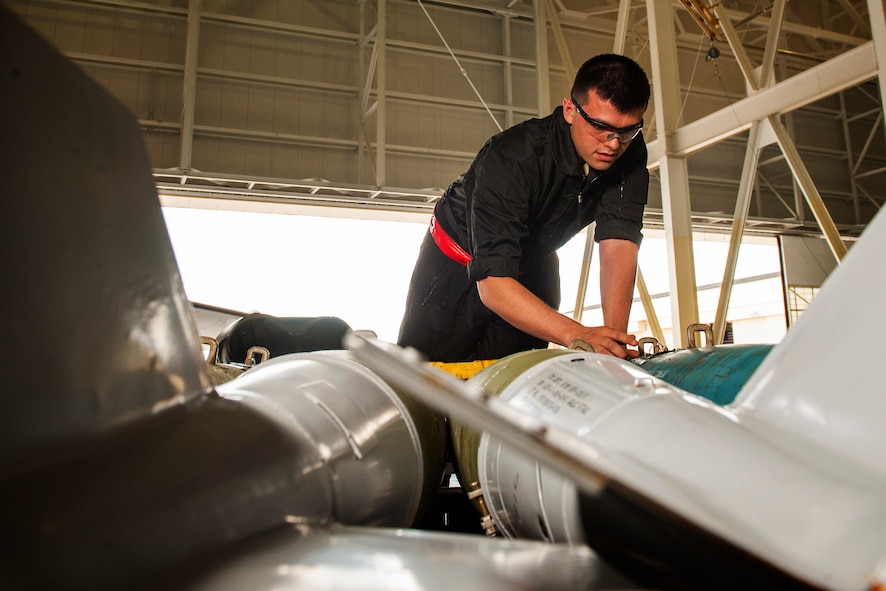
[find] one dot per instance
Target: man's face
(590, 140)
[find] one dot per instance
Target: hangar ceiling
(379, 104)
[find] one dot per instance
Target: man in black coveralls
(486, 283)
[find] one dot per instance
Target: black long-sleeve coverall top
(524, 196)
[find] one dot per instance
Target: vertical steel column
(508, 70)
(361, 67)
(541, 58)
(364, 109)
(621, 30)
(189, 85)
(621, 26)
(381, 74)
(674, 173)
(560, 38)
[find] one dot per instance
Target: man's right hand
(609, 341)
(521, 308)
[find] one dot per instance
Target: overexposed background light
(287, 265)
(359, 270)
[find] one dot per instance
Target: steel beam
(840, 73)
(621, 26)
(673, 170)
(560, 38)
(796, 28)
(621, 29)
(189, 85)
(381, 77)
(541, 57)
(507, 71)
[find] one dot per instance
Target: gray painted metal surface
(378, 559)
(378, 462)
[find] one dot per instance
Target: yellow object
(463, 369)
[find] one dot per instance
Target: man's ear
(568, 110)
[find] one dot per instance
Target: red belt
(447, 245)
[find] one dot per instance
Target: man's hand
(518, 306)
(609, 341)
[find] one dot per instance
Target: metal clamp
(212, 357)
(656, 346)
(693, 329)
(219, 373)
(255, 351)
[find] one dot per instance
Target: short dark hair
(616, 79)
